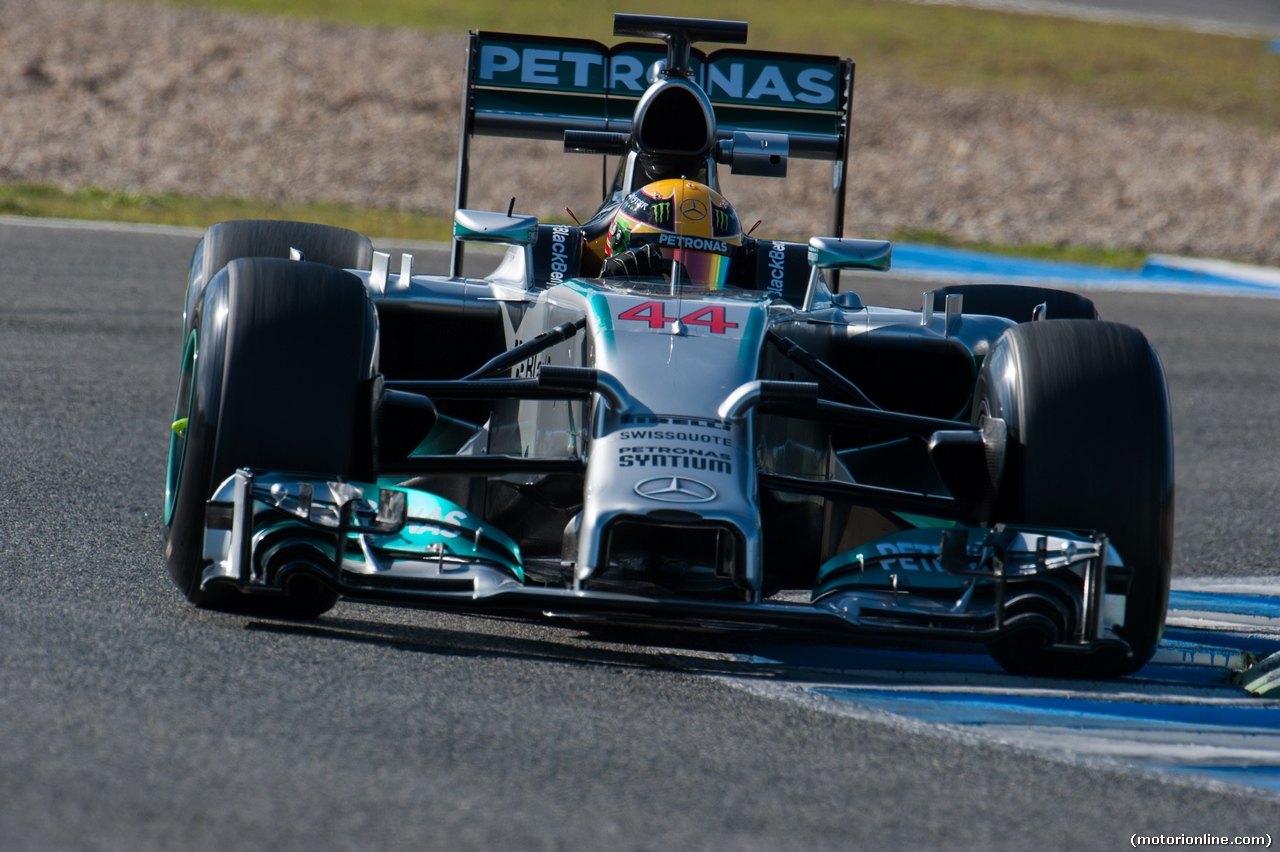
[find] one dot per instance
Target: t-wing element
(679, 34)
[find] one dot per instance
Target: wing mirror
(479, 226)
(840, 253)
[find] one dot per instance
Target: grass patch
(1231, 78)
(42, 200)
(1093, 255)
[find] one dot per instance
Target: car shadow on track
(696, 652)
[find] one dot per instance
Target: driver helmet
(687, 222)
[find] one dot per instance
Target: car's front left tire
(279, 374)
(227, 241)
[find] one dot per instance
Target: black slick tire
(1090, 447)
(1017, 302)
(279, 373)
(228, 241)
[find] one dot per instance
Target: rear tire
(1090, 447)
(1017, 302)
(280, 374)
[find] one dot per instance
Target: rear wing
(537, 87)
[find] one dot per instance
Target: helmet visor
(702, 269)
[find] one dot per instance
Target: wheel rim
(180, 428)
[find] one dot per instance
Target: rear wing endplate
(537, 87)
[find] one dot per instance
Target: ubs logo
(675, 489)
(693, 209)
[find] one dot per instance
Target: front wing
(390, 544)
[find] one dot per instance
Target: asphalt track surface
(131, 721)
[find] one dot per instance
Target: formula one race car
(654, 418)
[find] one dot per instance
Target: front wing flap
(399, 545)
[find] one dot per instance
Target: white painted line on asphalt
(1229, 585)
(1183, 714)
(94, 225)
(1224, 269)
(935, 264)
(1162, 274)
(181, 231)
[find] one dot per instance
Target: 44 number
(654, 313)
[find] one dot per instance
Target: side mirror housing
(479, 226)
(839, 253)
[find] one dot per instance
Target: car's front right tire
(1090, 447)
(1017, 302)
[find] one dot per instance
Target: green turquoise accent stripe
(422, 536)
(465, 537)
(926, 522)
(915, 562)
(178, 435)
(752, 335)
(598, 306)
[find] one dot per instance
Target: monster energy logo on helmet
(675, 213)
(723, 221)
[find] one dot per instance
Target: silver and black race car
(654, 418)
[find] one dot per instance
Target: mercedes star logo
(693, 209)
(675, 489)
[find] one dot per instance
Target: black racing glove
(643, 262)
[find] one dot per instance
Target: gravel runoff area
(152, 98)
